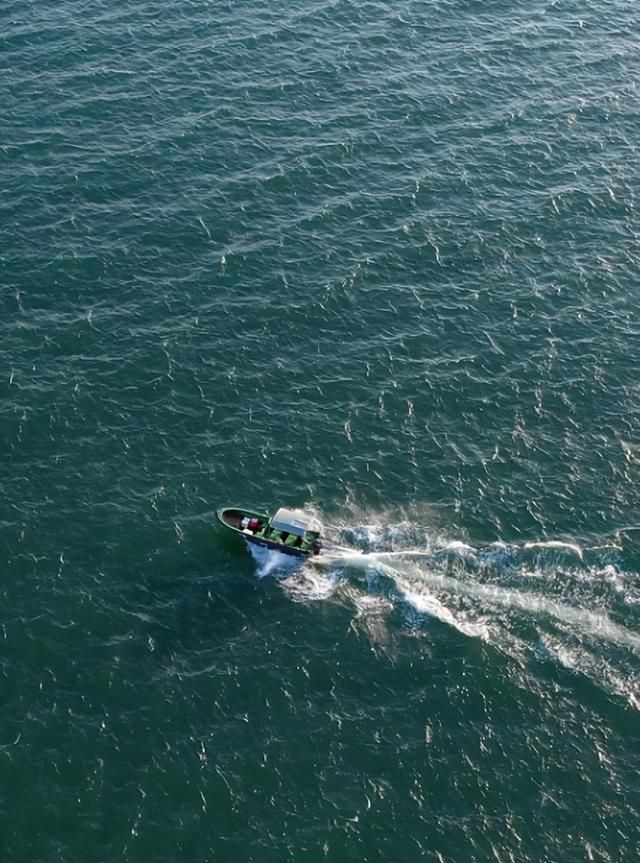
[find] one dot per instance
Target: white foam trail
(331, 553)
(438, 577)
(593, 624)
(408, 552)
(580, 661)
(428, 604)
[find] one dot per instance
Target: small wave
(556, 544)
(270, 561)
(372, 617)
(299, 581)
(368, 605)
(307, 585)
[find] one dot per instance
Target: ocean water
(376, 259)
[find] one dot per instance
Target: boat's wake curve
(547, 601)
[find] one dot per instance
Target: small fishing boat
(291, 531)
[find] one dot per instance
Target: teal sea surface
(376, 259)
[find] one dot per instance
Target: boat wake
(549, 601)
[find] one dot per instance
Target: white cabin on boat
(296, 522)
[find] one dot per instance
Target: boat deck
(233, 517)
(289, 537)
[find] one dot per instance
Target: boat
(290, 531)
